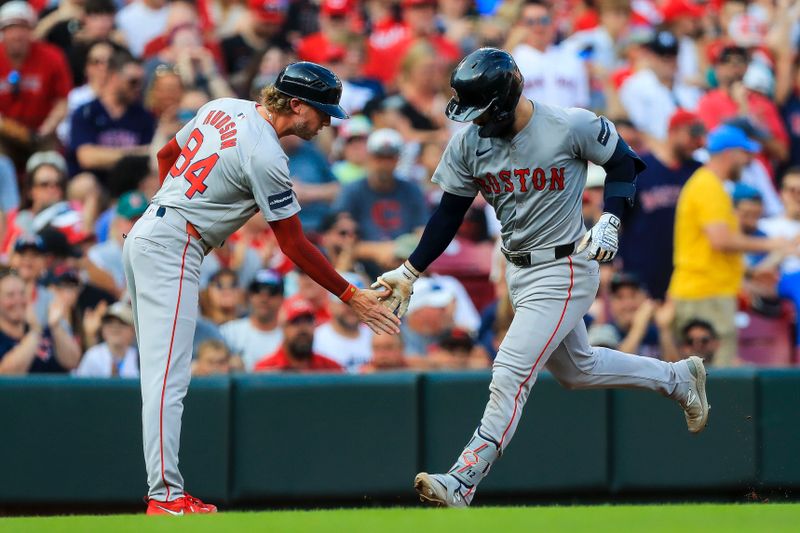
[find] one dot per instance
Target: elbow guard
(621, 170)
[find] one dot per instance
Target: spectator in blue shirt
(647, 242)
(314, 184)
(115, 124)
(383, 206)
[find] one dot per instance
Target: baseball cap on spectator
(604, 336)
(595, 176)
(131, 205)
(385, 142)
(682, 118)
(29, 242)
(728, 137)
(675, 9)
(17, 13)
(294, 308)
(269, 11)
(62, 275)
(120, 311)
(624, 279)
(357, 126)
(269, 279)
(663, 43)
(336, 8)
(744, 192)
(56, 243)
(49, 157)
(429, 293)
(457, 339)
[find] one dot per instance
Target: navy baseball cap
(267, 279)
(29, 242)
(727, 137)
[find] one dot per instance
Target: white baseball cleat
(442, 490)
(695, 406)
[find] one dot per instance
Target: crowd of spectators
(706, 91)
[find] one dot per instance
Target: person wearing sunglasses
(553, 74)
(115, 124)
(258, 332)
(699, 338)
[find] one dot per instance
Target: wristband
(348, 293)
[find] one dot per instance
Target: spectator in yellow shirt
(709, 265)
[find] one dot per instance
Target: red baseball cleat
(185, 505)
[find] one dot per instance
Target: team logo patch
(282, 199)
(605, 132)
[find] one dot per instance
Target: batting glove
(401, 282)
(602, 240)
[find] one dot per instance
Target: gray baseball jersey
(230, 166)
(535, 180)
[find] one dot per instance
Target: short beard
(302, 130)
(300, 347)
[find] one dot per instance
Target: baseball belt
(535, 257)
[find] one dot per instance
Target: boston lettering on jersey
(522, 179)
(224, 125)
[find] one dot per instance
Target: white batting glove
(401, 282)
(602, 240)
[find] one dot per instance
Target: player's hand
(602, 240)
(401, 282)
(367, 305)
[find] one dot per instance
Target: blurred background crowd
(91, 89)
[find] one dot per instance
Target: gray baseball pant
(162, 267)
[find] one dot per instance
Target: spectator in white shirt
(553, 74)
(141, 21)
(117, 355)
(258, 333)
(343, 338)
(651, 95)
(787, 226)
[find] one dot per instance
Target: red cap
(296, 307)
(416, 3)
(673, 9)
(681, 117)
(273, 11)
(334, 8)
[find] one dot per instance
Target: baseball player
(529, 161)
(221, 168)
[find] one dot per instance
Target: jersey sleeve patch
(281, 199)
(605, 132)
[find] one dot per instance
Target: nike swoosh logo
(478, 153)
(173, 513)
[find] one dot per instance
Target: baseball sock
(474, 462)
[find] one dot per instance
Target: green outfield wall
(257, 439)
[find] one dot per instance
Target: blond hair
(274, 100)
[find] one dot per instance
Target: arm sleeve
(621, 170)
(440, 230)
(166, 158)
(293, 242)
(452, 174)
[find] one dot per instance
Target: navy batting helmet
(487, 81)
(314, 85)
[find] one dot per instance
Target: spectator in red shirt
(732, 98)
(334, 20)
(34, 76)
(419, 18)
(295, 354)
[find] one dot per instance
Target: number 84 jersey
(230, 166)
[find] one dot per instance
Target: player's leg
(165, 266)
(549, 300)
(577, 365)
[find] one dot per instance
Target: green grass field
(766, 518)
